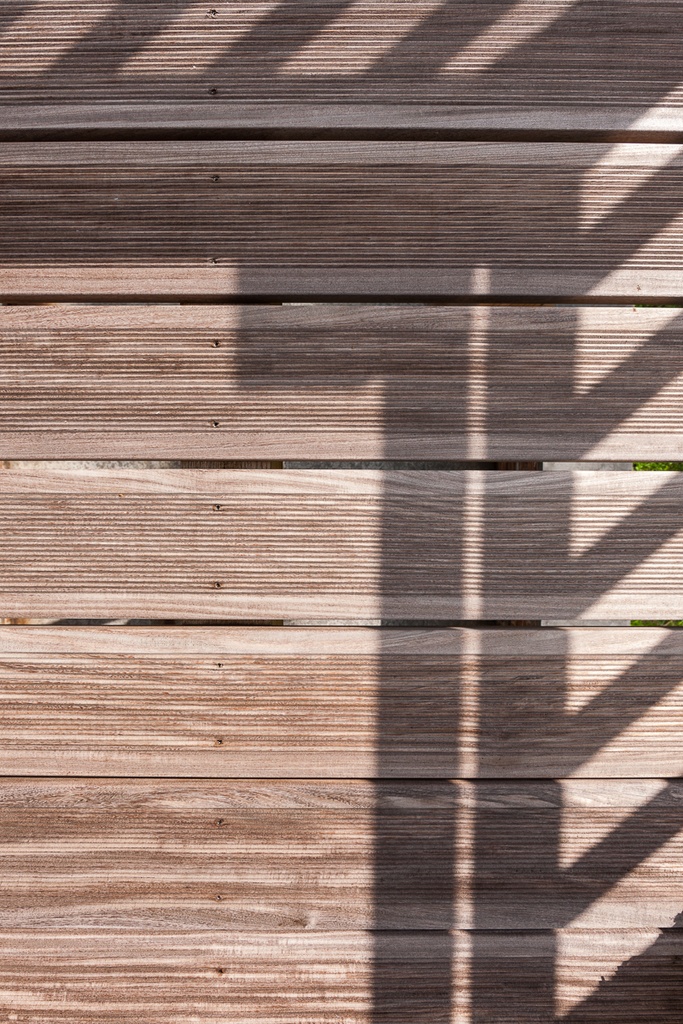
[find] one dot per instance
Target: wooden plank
(331, 544)
(514, 978)
(216, 219)
(607, 65)
(218, 975)
(563, 382)
(340, 703)
(290, 856)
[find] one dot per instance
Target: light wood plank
(340, 703)
(342, 978)
(331, 544)
(386, 382)
(264, 856)
(217, 219)
(605, 65)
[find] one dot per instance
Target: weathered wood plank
(554, 64)
(342, 978)
(340, 703)
(316, 544)
(215, 219)
(197, 855)
(394, 382)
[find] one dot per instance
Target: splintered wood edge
(321, 315)
(303, 115)
(385, 485)
(130, 946)
(188, 154)
(199, 641)
(139, 796)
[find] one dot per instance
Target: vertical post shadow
(413, 895)
(417, 730)
(417, 869)
(499, 848)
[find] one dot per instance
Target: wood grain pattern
(373, 64)
(317, 544)
(215, 219)
(268, 856)
(493, 382)
(340, 703)
(259, 878)
(604, 976)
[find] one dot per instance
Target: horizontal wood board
(340, 703)
(604, 65)
(119, 381)
(339, 544)
(218, 219)
(606, 976)
(269, 856)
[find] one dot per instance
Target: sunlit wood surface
(470, 65)
(282, 230)
(441, 382)
(341, 703)
(325, 544)
(291, 855)
(327, 977)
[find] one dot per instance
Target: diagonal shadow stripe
(397, 862)
(613, 710)
(278, 36)
(646, 989)
(656, 363)
(619, 853)
(637, 535)
(121, 26)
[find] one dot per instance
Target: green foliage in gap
(655, 622)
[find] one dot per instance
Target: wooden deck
(285, 742)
